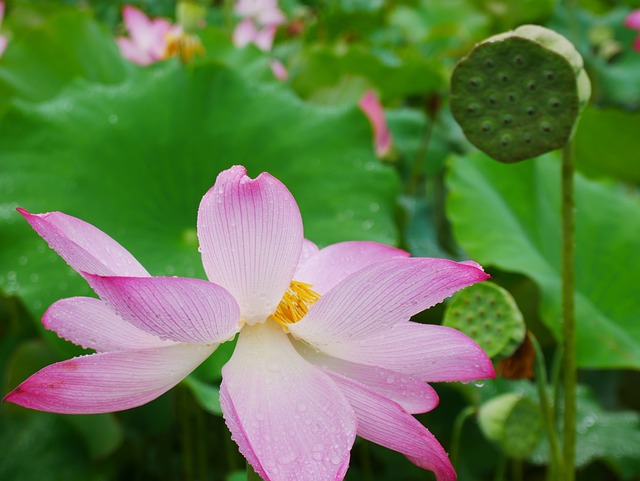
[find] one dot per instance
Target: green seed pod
(488, 314)
(513, 422)
(519, 94)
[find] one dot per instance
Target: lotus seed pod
(513, 422)
(519, 94)
(489, 315)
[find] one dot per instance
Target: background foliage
(132, 150)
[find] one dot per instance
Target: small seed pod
(488, 314)
(513, 422)
(528, 84)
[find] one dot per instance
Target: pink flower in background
(3, 40)
(279, 70)
(148, 39)
(326, 348)
(372, 108)
(633, 21)
(260, 20)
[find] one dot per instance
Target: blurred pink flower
(148, 39)
(260, 20)
(326, 347)
(633, 21)
(279, 70)
(3, 40)
(372, 108)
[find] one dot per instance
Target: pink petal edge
(250, 233)
(91, 323)
(336, 262)
(84, 247)
(286, 415)
(385, 423)
(175, 308)
(108, 381)
(380, 295)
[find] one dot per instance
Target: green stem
(555, 470)
(568, 312)
(457, 433)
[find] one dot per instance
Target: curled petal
(250, 233)
(380, 295)
(91, 323)
(286, 415)
(412, 394)
(336, 262)
(108, 381)
(385, 423)
(84, 247)
(429, 352)
(372, 108)
(180, 309)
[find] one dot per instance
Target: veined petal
(385, 423)
(180, 309)
(413, 395)
(289, 419)
(108, 381)
(250, 233)
(429, 352)
(336, 262)
(83, 246)
(309, 249)
(380, 295)
(91, 323)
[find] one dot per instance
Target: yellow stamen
(184, 44)
(295, 303)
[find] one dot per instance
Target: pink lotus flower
(3, 40)
(260, 20)
(633, 21)
(148, 38)
(372, 108)
(326, 349)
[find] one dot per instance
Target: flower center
(295, 303)
(183, 44)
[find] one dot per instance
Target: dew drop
(367, 224)
(374, 207)
(23, 261)
(113, 119)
